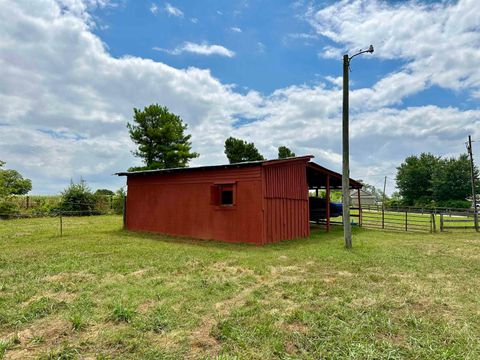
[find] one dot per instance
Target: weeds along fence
(54, 221)
(416, 219)
(45, 204)
(59, 224)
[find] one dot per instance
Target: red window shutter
(215, 195)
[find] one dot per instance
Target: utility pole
(474, 195)
(347, 227)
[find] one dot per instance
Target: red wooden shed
(255, 202)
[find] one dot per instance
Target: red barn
(256, 202)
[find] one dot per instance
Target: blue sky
(274, 46)
(265, 71)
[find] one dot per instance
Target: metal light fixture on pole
(347, 230)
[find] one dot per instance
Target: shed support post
(327, 195)
(316, 192)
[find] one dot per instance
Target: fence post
(433, 226)
(441, 222)
(28, 202)
(406, 220)
(383, 217)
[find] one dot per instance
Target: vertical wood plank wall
(286, 202)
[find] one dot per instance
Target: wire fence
(49, 214)
(60, 224)
(55, 220)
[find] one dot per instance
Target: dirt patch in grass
(69, 276)
(295, 327)
(276, 270)
(201, 339)
(231, 270)
(61, 296)
(146, 306)
(140, 273)
(37, 338)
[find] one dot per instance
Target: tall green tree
(428, 179)
(284, 152)
(414, 178)
(12, 182)
(161, 139)
(238, 150)
(452, 179)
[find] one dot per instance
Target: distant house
(366, 198)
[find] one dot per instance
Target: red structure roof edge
(314, 166)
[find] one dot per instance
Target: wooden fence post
(433, 226)
(441, 222)
(383, 217)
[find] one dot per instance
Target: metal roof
(215, 167)
(319, 170)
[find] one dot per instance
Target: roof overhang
(316, 174)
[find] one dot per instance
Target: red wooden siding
(286, 213)
(181, 204)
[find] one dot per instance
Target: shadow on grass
(317, 233)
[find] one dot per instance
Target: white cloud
(154, 9)
(200, 49)
(64, 103)
(172, 10)
(236, 29)
(438, 42)
(260, 47)
(194, 20)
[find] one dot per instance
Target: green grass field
(102, 293)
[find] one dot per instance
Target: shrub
(455, 204)
(118, 201)
(104, 192)
(8, 208)
(78, 199)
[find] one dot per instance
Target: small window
(223, 195)
(227, 197)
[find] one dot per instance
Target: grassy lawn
(100, 292)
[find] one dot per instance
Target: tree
(414, 178)
(160, 136)
(77, 199)
(452, 180)
(238, 150)
(104, 192)
(284, 152)
(12, 182)
(428, 179)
